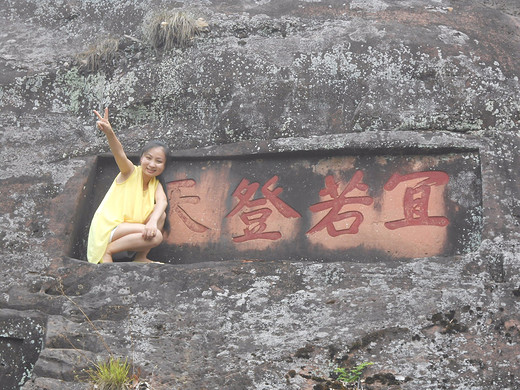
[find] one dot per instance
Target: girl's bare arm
(125, 165)
(160, 206)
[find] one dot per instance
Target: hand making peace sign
(103, 124)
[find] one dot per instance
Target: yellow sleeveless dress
(124, 202)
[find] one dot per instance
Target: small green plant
(114, 374)
(169, 29)
(353, 375)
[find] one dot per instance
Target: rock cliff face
(262, 77)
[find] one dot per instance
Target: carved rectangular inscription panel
(341, 207)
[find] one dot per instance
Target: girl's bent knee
(157, 239)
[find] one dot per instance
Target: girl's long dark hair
(154, 144)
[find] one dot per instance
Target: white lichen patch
(369, 5)
(451, 36)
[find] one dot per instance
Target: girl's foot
(106, 258)
(146, 260)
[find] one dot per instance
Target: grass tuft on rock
(114, 374)
(103, 53)
(170, 29)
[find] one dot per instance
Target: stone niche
(341, 205)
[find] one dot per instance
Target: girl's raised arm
(125, 165)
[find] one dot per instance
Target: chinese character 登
(255, 218)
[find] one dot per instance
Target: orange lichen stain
(334, 164)
(380, 160)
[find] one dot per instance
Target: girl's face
(153, 161)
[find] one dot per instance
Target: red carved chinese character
(176, 199)
(337, 202)
(416, 199)
(244, 192)
(256, 226)
(255, 220)
(272, 196)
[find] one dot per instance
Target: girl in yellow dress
(132, 215)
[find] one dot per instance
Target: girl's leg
(142, 256)
(129, 237)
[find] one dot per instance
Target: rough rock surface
(266, 76)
